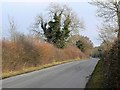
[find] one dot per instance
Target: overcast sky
(24, 14)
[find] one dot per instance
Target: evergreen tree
(57, 30)
(80, 45)
(54, 33)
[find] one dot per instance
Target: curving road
(69, 75)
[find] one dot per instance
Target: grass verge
(97, 78)
(31, 69)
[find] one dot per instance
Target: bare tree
(76, 22)
(109, 11)
(12, 29)
(62, 10)
(107, 33)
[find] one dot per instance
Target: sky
(24, 14)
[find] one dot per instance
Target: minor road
(69, 75)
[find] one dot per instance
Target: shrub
(28, 52)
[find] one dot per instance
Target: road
(69, 75)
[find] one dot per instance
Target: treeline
(49, 42)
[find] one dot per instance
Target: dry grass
(31, 69)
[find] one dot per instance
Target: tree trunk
(118, 47)
(118, 15)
